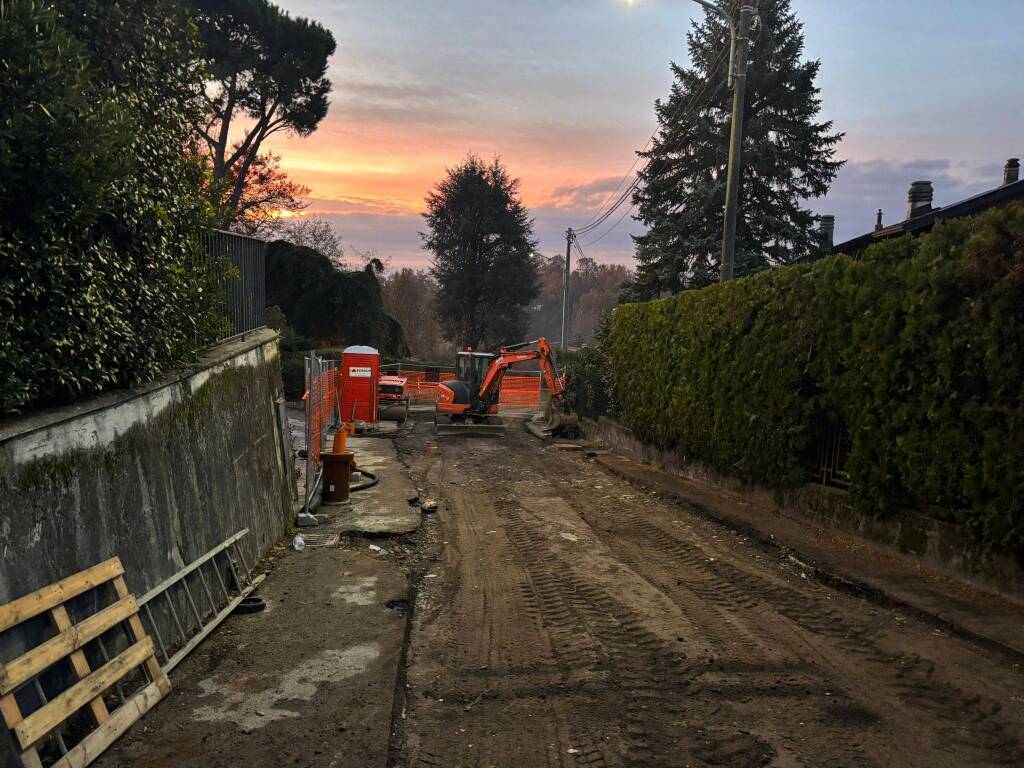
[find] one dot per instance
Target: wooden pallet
(89, 685)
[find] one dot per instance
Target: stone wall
(157, 476)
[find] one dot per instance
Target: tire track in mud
(792, 677)
(653, 680)
(965, 721)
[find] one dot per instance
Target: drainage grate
(315, 540)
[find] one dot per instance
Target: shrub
(101, 275)
(335, 308)
(586, 390)
(918, 348)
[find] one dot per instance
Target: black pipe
(363, 486)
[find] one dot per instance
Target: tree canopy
(481, 238)
(265, 69)
(788, 157)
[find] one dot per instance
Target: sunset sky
(563, 91)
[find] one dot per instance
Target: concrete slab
(383, 509)
(308, 682)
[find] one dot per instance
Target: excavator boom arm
(510, 356)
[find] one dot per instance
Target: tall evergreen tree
(788, 157)
(481, 236)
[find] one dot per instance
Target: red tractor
(469, 403)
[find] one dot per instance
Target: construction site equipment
(468, 405)
(360, 372)
(113, 633)
(393, 397)
(221, 576)
(338, 466)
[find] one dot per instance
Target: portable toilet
(360, 371)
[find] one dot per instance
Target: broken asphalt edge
(823, 573)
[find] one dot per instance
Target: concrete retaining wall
(157, 476)
(943, 547)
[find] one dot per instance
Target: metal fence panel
(244, 295)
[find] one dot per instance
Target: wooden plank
(79, 663)
(30, 758)
(190, 646)
(89, 748)
(42, 600)
(138, 632)
(194, 565)
(71, 639)
(10, 710)
(46, 718)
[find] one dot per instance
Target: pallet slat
(87, 750)
(70, 639)
(45, 719)
(42, 600)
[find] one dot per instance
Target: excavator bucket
(445, 427)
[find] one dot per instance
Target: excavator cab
(471, 367)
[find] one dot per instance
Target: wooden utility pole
(565, 288)
(739, 92)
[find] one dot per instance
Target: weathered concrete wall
(158, 476)
(943, 547)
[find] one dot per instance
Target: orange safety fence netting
(516, 391)
(520, 392)
(319, 412)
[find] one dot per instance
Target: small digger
(468, 405)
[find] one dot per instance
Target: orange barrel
(337, 471)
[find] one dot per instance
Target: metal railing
(240, 264)
(831, 449)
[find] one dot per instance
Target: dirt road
(572, 619)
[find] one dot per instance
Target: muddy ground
(565, 617)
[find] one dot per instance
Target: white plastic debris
(298, 543)
(379, 550)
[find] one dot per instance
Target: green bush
(586, 390)
(918, 349)
(101, 276)
(335, 308)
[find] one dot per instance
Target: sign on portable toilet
(360, 370)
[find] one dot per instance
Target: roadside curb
(822, 572)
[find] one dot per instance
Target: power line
(679, 112)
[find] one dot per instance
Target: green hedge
(918, 349)
(586, 387)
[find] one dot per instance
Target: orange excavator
(468, 405)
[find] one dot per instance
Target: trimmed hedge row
(918, 348)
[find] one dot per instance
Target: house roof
(925, 221)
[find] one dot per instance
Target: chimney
(1011, 171)
(919, 198)
(827, 225)
(878, 220)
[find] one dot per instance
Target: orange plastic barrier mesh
(516, 391)
(520, 392)
(329, 385)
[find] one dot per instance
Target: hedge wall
(918, 348)
(102, 280)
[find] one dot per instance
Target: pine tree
(788, 157)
